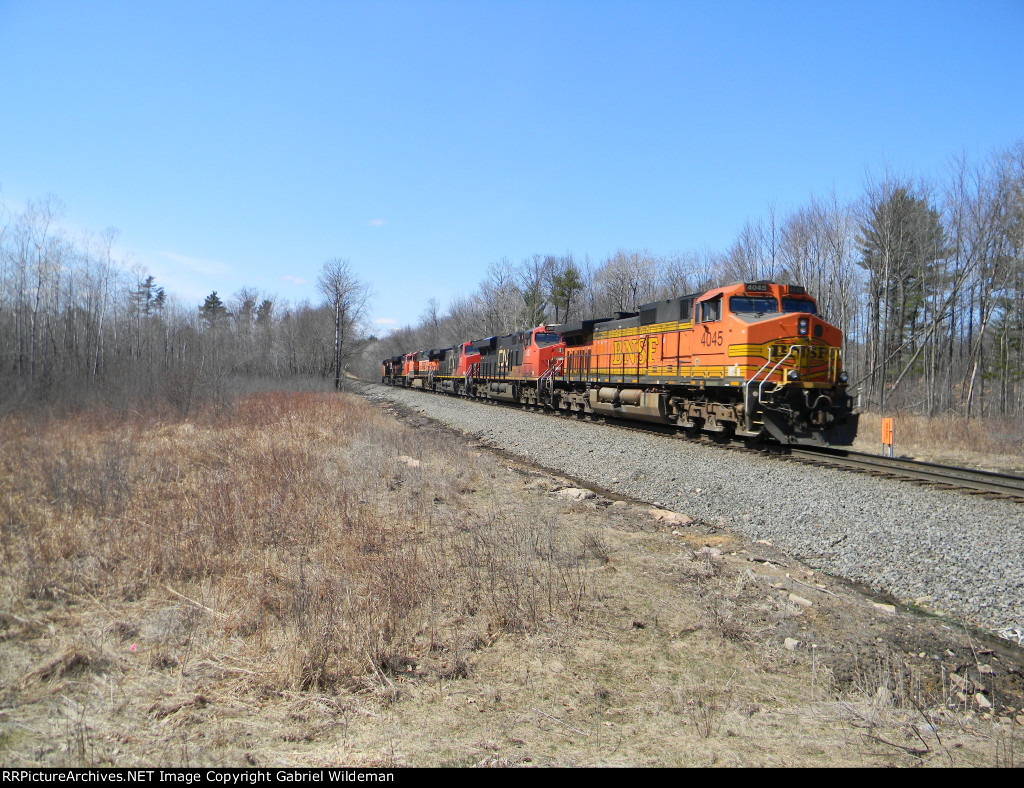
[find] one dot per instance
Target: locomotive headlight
(793, 375)
(843, 377)
(801, 326)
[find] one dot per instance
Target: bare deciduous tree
(348, 298)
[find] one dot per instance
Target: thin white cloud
(293, 280)
(385, 321)
(197, 265)
(183, 275)
(378, 222)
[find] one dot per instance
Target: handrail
(551, 371)
(753, 379)
(548, 376)
(760, 388)
(470, 374)
(748, 414)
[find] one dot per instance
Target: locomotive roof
(577, 328)
(514, 339)
(671, 310)
(628, 320)
(674, 300)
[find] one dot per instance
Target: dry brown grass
(985, 443)
(279, 582)
(292, 522)
(288, 540)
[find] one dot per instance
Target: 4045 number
(712, 339)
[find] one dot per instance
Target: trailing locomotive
(751, 360)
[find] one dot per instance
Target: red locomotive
(751, 360)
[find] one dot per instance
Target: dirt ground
(671, 642)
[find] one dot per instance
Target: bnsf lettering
(808, 353)
(636, 352)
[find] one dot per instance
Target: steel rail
(1001, 484)
(969, 480)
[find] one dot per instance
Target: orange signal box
(888, 432)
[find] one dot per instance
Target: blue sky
(244, 143)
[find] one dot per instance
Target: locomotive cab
(409, 366)
(469, 357)
(790, 358)
(452, 368)
(779, 324)
(390, 369)
(543, 350)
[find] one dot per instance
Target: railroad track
(967, 480)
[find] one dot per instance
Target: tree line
(925, 279)
(79, 326)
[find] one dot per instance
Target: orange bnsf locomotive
(751, 360)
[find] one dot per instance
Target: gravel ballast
(965, 553)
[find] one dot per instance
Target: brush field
(988, 444)
(307, 579)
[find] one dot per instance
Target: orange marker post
(888, 433)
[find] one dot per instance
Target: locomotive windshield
(543, 339)
(798, 305)
(760, 304)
